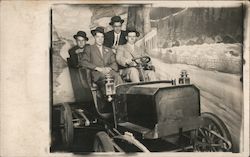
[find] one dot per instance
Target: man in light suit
(125, 54)
(115, 37)
(100, 59)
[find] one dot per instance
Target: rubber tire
(104, 141)
(220, 125)
(68, 135)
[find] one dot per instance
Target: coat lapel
(129, 49)
(105, 54)
(113, 37)
(98, 52)
(119, 40)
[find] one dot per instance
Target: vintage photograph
(146, 78)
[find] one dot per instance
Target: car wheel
(66, 123)
(103, 143)
(213, 136)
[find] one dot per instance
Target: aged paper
(26, 85)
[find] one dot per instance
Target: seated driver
(129, 51)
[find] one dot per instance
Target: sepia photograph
(81, 78)
(146, 78)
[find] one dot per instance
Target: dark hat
(132, 30)
(98, 29)
(81, 34)
(116, 19)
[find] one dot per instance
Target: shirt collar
(132, 46)
(99, 46)
(117, 34)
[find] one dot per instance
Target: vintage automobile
(141, 117)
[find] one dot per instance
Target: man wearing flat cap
(117, 35)
(76, 52)
(100, 59)
(125, 54)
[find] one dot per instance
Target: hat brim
(93, 32)
(86, 38)
(112, 22)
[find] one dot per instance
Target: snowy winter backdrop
(207, 42)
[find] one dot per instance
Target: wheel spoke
(212, 137)
(216, 145)
(209, 129)
(206, 133)
(213, 148)
(202, 132)
(217, 139)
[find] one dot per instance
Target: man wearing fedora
(100, 59)
(76, 52)
(125, 54)
(116, 36)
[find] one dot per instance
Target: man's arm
(113, 64)
(121, 60)
(86, 59)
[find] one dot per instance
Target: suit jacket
(92, 58)
(109, 38)
(125, 52)
(76, 57)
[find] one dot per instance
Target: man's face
(80, 41)
(117, 26)
(99, 38)
(131, 37)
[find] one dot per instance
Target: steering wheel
(143, 59)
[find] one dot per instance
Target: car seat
(85, 90)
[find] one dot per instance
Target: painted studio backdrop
(207, 42)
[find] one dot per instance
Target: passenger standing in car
(116, 36)
(129, 51)
(76, 52)
(100, 60)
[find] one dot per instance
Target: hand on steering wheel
(142, 59)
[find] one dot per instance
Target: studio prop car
(139, 117)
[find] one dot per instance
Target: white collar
(99, 46)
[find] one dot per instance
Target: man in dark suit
(117, 35)
(100, 59)
(76, 52)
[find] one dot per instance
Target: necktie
(116, 39)
(116, 42)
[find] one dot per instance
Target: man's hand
(108, 69)
(114, 50)
(103, 70)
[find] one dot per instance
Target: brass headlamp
(109, 86)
